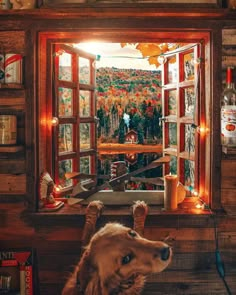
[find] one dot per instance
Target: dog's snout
(165, 253)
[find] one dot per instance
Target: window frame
(46, 39)
(178, 118)
(74, 119)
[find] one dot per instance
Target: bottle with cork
(228, 112)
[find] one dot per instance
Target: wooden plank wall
(192, 271)
(57, 247)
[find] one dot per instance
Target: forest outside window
(176, 107)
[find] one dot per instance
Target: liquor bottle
(228, 112)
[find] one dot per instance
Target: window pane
(84, 71)
(84, 103)
(189, 66)
(85, 165)
(172, 102)
(85, 136)
(172, 69)
(173, 165)
(65, 138)
(189, 138)
(189, 101)
(65, 97)
(65, 69)
(172, 134)
(189, 168)
(65, 166)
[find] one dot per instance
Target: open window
(69, 85)
(73, 109)
(183, 116)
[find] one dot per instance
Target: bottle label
(228, 121)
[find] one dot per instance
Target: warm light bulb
(57, 188)
(54, 121)
(202, 130)
(198, 206)
(194, 193)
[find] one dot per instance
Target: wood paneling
(57, 238)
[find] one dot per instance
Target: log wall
(57, 241)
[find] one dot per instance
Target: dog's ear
(88, 275)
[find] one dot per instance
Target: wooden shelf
(11, 149)
(11, 86)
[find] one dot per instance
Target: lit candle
(170, 194)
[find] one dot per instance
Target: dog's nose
(165, 253)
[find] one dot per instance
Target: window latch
(161, 120)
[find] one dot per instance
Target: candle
(170, 194)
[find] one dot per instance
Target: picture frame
(129, 3)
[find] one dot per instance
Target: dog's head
(118, 255)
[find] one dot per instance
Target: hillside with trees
(128, 99)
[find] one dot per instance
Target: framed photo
(161, 3)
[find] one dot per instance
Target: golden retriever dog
(116, 259)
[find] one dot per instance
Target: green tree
(121, 137)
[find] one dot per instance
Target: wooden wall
(57, 241)
(192, 271)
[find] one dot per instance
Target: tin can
(8, 129)
(13, 68)
(5, 4)
(2, 71)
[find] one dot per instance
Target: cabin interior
(39, 67)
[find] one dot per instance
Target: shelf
(11, 86)
(11, 149)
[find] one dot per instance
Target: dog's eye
(126, 259)
(132, 233)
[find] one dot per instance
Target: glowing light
(54, 121)
(57, 188)
(199, 206)
(195, 193)
(202, 130)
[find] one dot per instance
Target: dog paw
(94, 208)
(140, 209)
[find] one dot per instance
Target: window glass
(172, 134)
(173, 165)
(189, 170)
(65, 97)
(84, 103)
(65, 138)
(85, 138)
(65, 166)
(84, 71)
(189, 66)
(189, 138)
(172, 69)
(65, 69)
(85, 164)
(189, 99)
(172, 102)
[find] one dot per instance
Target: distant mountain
(127, 79)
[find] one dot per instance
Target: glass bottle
(228, 112)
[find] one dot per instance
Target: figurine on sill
(47, 202)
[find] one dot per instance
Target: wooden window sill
(185, 216)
